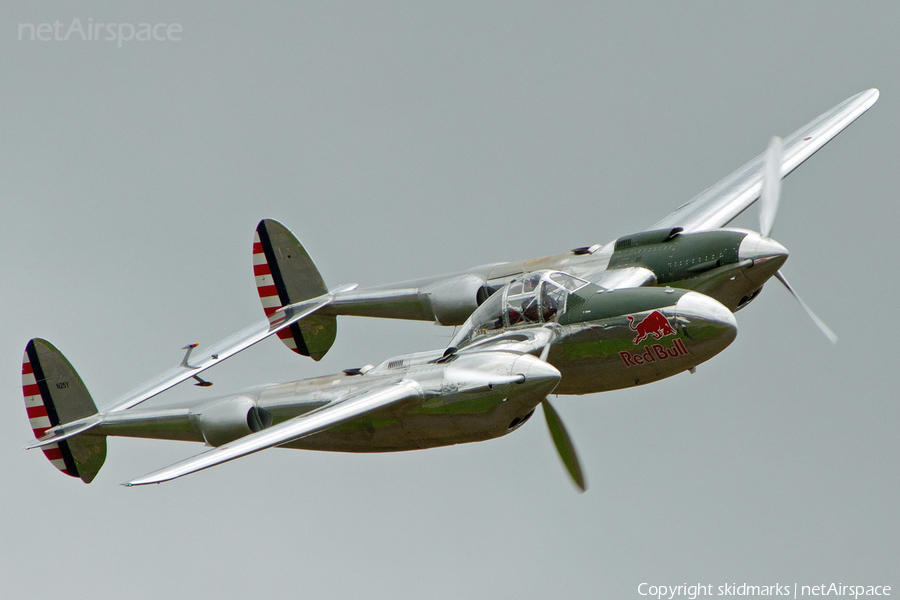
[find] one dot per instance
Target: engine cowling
(452, 301)
(226, 420)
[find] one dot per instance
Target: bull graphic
(655, 324)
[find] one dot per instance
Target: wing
(720, 204)
(296, 428)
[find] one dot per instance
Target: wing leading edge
(296, 428)
(720, 204)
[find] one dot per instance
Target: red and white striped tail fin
(268, 293)
(285, 274)
(265, 284)
(54, 395)
(39, 417)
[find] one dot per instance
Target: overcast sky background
(401, 140)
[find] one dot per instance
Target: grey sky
(400, 140)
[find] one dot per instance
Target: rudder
(285, 274)
(54, 395)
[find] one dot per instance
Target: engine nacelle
(452, 301)
(226, 420)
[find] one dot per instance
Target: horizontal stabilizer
(59, 433)
(296, 428)
(200, 361)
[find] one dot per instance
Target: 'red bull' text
(653, 353)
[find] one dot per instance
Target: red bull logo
(653, 353)
(655, 324)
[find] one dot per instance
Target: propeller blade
(563, 444)
(819, 323)
(771, 187)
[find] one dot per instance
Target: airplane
(549, 332)
(646, 307)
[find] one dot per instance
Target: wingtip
(871, 95)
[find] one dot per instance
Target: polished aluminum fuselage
(468, 395)
(730, 265)
(474, 397)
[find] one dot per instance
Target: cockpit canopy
(538, 297)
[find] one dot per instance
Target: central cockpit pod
(533, 298)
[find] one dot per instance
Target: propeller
(770, 195)
(563, 444)
(832, 337)
(561, 438)
(771, 189)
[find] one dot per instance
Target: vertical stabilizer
(54, 395)
(285, 274)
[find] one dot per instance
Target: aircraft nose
(538, 373)
(762, 250)
(695, 306)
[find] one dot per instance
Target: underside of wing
(720, 204)
(293, 429)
